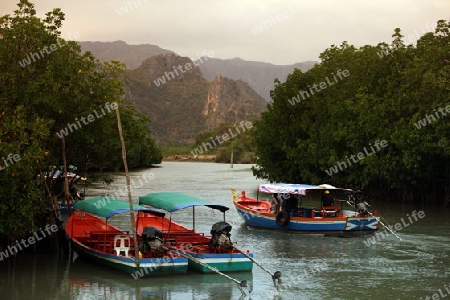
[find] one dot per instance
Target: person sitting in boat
(221, 237)
(327, 199)
(362, 207)
(274, 204)
(290, 204)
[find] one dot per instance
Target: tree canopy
(226, 140)
(49, 89)
(325, 127)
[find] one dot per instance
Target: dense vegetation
(47, 86)
(237, 141)
(396, 94)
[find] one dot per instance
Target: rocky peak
(231, 101)
(167, 66)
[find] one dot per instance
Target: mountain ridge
(181, 103)
(188, 104)
(259, 75)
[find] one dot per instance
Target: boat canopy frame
(294, 188)
(107, 207)
(174, 201)
(301, 190)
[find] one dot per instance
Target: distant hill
(182, 104)
(259, 75)
(187, 104)
(131, 55)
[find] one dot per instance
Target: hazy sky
(275, 31)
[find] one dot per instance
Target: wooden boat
(216, 251)
(308, 209)
(93, 238)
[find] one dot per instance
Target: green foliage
(389, 89)
(238, 142)
(20, 188)
(48, 85)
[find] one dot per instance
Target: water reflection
(39, 276)
(45, 276)
(313, 267)
(89, 281)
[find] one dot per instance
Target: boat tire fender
(282, 219)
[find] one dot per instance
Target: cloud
(224, 26)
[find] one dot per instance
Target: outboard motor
(220, 237)
(152, 241)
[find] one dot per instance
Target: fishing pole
(355, 195)
(391, 231)
(379, 220)
(275, 276)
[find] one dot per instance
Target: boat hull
(343, 225)
(148, 266)
(196, 245)
(222, 262)
(94, 239)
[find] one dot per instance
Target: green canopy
(107, 207)
(171, 201)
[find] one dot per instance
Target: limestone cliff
(259, 75)
(172, 99)
(231, 101)
(172, 90)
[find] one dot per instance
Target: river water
(313, 267)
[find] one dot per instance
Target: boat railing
(302, 212)
(186, 237)
(179, 232)
(325, 212)
(103, 240)
(330, 212)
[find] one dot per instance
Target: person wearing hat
(327, 200)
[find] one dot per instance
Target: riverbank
(243, 158)
(186, 157)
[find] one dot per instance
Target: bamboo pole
(127, 175)
(231, 159)
(66, 180)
